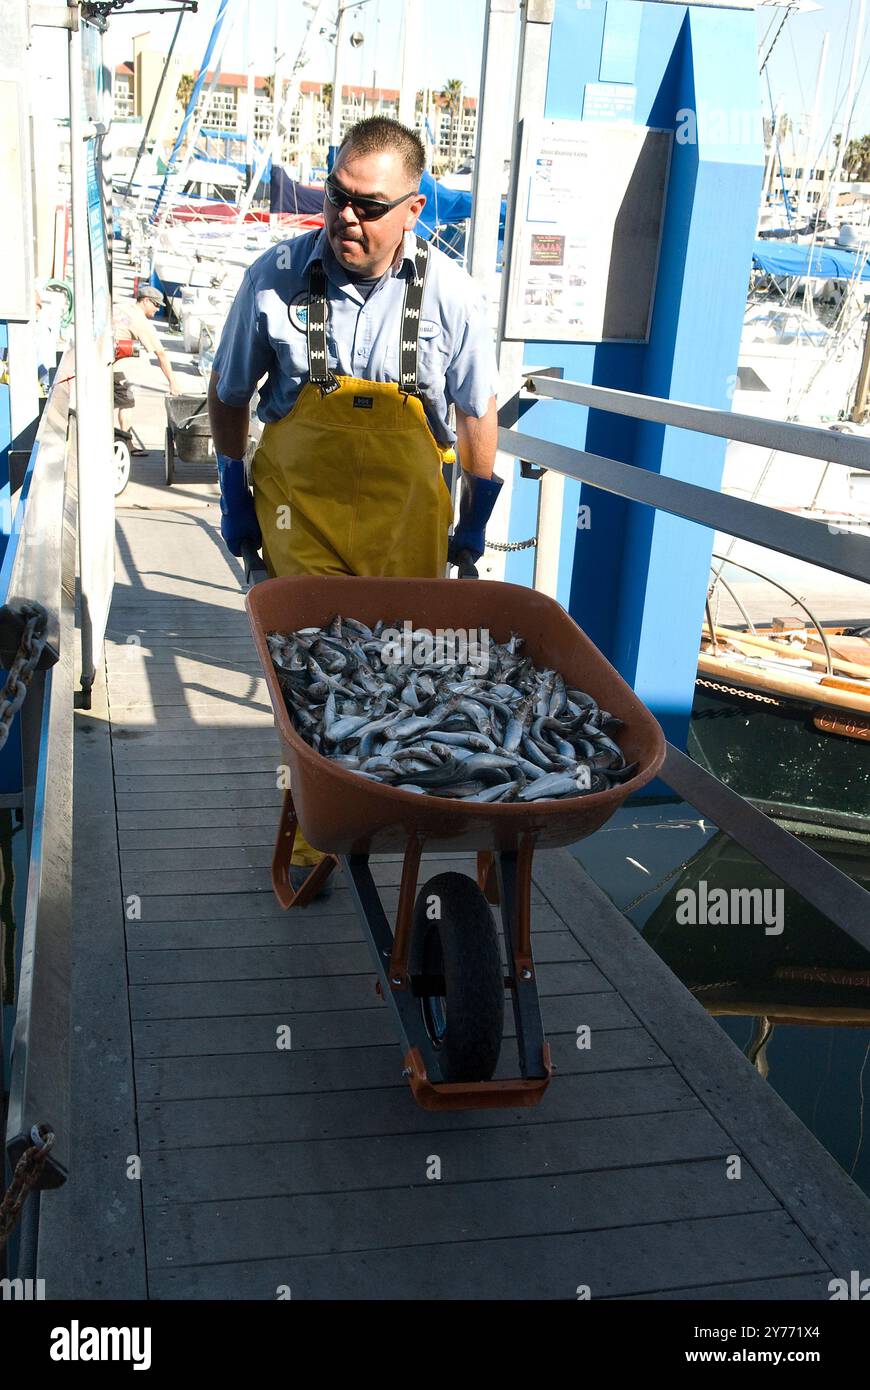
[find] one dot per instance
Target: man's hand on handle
(477, 439)
(477, 499)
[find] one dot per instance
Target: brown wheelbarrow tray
(350, 818)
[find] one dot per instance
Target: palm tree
(856, 160)
(186, 84)
(452, 94)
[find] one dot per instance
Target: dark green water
(796, 989)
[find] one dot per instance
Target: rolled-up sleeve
(244, 354)
(472, 375)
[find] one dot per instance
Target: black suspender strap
(318, 362)
(408, 346)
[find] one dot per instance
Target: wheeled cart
(439, 967)
(188, 434)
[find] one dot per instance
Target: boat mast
(335, 115)
(859, 409)
(850, 106)
(812, 135)
(410, 48)
(249, 124)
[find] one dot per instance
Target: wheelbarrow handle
(252, 560)
(466, 565)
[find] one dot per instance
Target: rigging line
(850, 115)
(797, 73)
(784, 21)
(770, 25)
(860, 1112)
(829, 132)
(828, 180)
(823, 1081)
(778, 152)
(720, 579)
(777, 584)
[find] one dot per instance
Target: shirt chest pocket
(292, 358)
(433, 349)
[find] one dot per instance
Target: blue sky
(795, 61)
(453, 33)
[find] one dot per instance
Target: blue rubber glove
(477, 499)
(238, 517)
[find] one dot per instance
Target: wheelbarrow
(439, 966)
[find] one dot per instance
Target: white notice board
(587, 231)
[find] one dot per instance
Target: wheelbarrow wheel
(460, 977)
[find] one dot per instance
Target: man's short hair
(378, 133)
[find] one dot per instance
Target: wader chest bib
(350, 481)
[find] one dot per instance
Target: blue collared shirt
(265, 332)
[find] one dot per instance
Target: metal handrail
(843, 901)
(39, 567)
(795, 536)
(832, 445)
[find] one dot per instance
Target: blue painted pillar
(636, 579)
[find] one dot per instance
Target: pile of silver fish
(498, 732)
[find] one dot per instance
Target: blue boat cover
(443, 205)
(816, 262)
(286, 195)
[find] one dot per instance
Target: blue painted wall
(636, 580)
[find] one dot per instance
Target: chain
(732, 690)
(21, 671)
(512, 545)
(28, 1171)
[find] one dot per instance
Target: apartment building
(449, 135)
(122, 92)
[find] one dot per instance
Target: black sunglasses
(366, 209)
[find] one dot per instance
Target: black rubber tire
(463, 945)
(169, 458)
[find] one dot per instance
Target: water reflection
(793, 995)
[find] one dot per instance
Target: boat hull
(772, 751)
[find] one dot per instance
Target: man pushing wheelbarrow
(366, 335)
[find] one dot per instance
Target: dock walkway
(208, 1163)
(264, 1169)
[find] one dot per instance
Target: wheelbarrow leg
(487, 880)
(283, 888)
(515, 892)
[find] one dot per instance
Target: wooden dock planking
(308, 1167)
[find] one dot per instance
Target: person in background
(132, 320)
